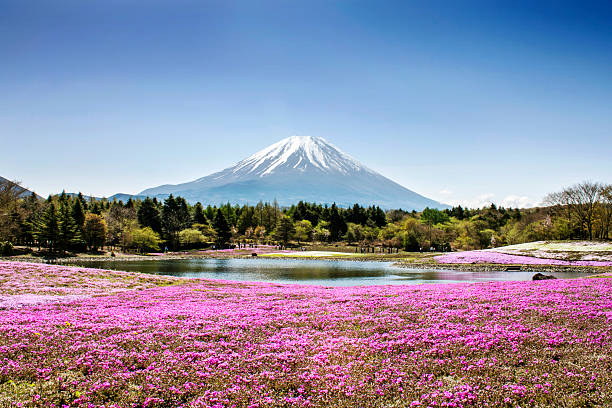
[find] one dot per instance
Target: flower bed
(494, 257)
(30, 283)
(223, 344)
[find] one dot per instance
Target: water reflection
(312, 272)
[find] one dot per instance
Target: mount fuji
(298, 168)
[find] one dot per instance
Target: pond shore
(404, 260)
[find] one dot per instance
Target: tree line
(71, 223)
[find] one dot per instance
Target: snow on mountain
(300, 153)
(298, 168)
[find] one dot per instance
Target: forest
(71, 223)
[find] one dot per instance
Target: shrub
(6, 248)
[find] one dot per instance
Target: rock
(541, 276)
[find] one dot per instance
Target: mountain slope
(23, 192)
(298, 168)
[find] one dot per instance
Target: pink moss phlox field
(30, 283)
(228, 344)
(492, 257)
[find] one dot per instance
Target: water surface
(311, 272)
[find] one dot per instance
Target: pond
(311, 272)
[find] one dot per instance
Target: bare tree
(11, 210)
(605, 211)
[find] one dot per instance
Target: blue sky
(462, 101)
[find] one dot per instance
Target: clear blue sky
(461, 101)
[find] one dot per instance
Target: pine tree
(46, 230)
(95, 208)
(284, 230)
(222, 228)
(175, 217)
(82, 200)
(198, 214)
(337, 225)
(67, 226)
(149, 215)
(78, 214)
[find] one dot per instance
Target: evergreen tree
(175, 217)
(284, 230)
(78, 214)
(222, 228)
(210, 212)
(95, 208)
(337, 225)
(198, 214)
(82, 200)
(246, 219)
(46, 230)
(149, 215)
(67, 226)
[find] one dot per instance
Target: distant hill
(118, 197)
(298, 168)
(24, 191)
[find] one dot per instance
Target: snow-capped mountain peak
(298, 168)
(299, 153)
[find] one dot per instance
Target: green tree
(192, 238)
(303, 230)
(67, 227)
(354, 233)
(198, 214)
(175, 217)
(284, 229)
(11, 210)
(78, 214)
(321, 231)
(337, 225)
(222, 228)
(149, 216)
(145, 239)
(120, 222)
(94, 231)
(210, 235)
(47, 229)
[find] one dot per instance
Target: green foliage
(94, 231)
(6, 248)
(198, 214)
(59, 223)
(145, 239)
(432, 216)
(337, 225)
(149, 215)
(303, 230)
(222, 228)
(192, 238)
(175, 217)
(284, 229)
(321, 231)
(47, 229)
(68, 230)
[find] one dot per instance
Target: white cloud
(486, 199)
(516, 201)
(481, 200)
